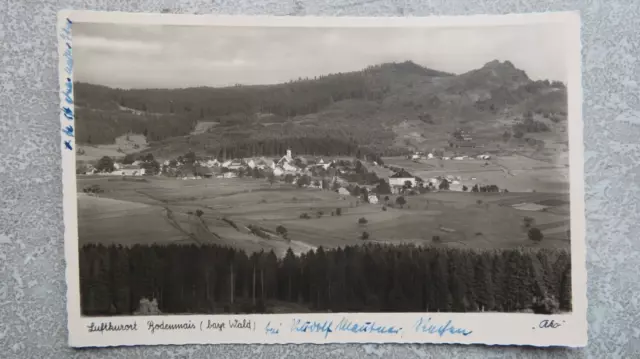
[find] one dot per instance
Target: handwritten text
(366, 327)
(300, 326)
(427, 326)
(271, 330)
(67, 91)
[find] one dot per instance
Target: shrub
(304, 216)
(338, 211)
(384, 208)
(435, 239)
(479, 201)
(199, 213)
(535, 234)
(364, 236)
(363, 220)
(281, 231)
(320, 214)
(401, 201)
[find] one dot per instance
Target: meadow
(246, 213)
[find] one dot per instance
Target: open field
(516, 173)
(123, 145)
(161, 210)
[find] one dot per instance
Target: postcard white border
(488, 328)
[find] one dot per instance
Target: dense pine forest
(368, 278)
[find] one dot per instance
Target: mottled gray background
(32, 279)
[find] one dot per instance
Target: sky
(153, 56)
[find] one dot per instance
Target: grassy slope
(139, 216)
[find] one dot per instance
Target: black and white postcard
(237, 179)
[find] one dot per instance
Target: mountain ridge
(387, 108)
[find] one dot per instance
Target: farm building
(235, 165)
(211, 163)
(131, 170)
(400, 178)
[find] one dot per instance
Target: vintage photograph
(328, 169)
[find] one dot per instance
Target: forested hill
(356, 110)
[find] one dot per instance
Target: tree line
(366, 278)
(104, 114)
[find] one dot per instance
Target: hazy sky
(152, 56)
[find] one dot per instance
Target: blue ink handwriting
(68, 113)
(68, 131)
(69, 58)
(67, 144)
(426, 326)
(271, 330)
(66, 31)
(68, 92)
(366, 327)
(312, 327)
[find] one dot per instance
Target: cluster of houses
(212, 168)
(299, 170)
(429, 156)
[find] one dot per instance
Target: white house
(373, 199)
(229, 175)
(251, 164)
(131, 170)
(212, 163)
(400, 178)
(277, 171)
(234, 165)
(343, 191)
(289, 168)
(430, 156)
(226, 163)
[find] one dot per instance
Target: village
(344, 176)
